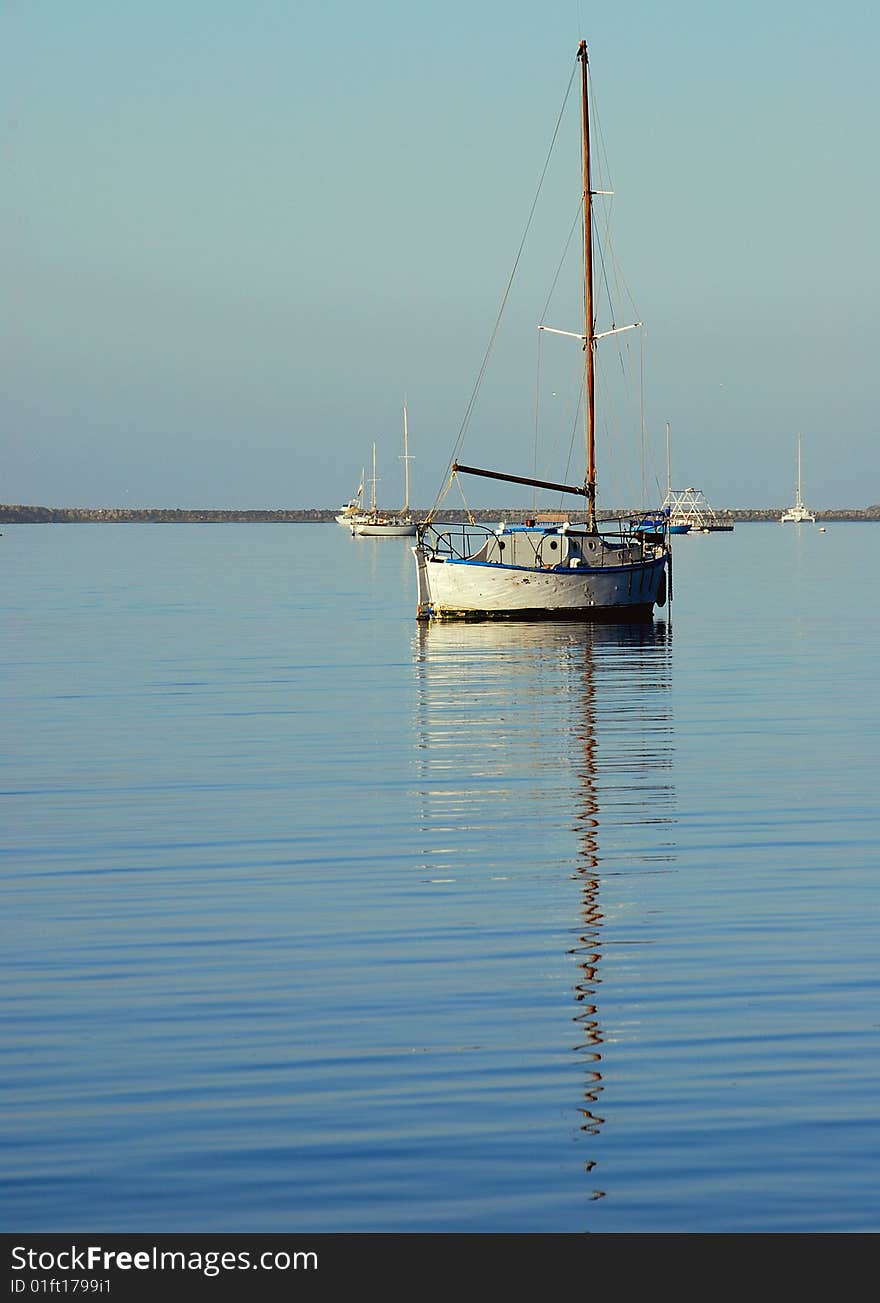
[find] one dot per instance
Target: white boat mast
(373, 499)
(406, 459)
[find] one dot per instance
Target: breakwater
(14, 514)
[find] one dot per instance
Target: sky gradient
(235, 237)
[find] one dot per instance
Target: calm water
(317, 920)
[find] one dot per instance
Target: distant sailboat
(388, 524)
(798, 514)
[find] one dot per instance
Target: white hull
(350, 511)
(374, 530)
(449, 588)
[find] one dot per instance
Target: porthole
(553, 545)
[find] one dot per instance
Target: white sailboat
(388, 524)
(558, 569)
(798, 514)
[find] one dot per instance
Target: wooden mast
(589, 323)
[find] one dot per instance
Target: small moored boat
(555, 570)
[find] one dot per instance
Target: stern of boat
(421, 553)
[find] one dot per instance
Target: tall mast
(589, 324)
(405, 459)
(799, 502)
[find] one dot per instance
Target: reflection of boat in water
(538, 743)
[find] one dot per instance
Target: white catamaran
(558, 569)
(798, 514)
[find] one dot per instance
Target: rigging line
(537, 420)
(652, 469)
(612, 421)
(623, 414)
(642, 418)
(621, 287)
(605, 278)
(470, 514)
(576, 417)
(574, 227)
(544, 470)
(619, 276)
(605, 171)
(604, 245)
(441, 497)
(482, 371)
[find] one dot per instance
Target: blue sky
(236, 236)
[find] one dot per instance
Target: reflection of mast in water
(587, 950)
(628, 642)
(494, 704)
(588, 861)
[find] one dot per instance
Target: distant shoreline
(30, 515)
